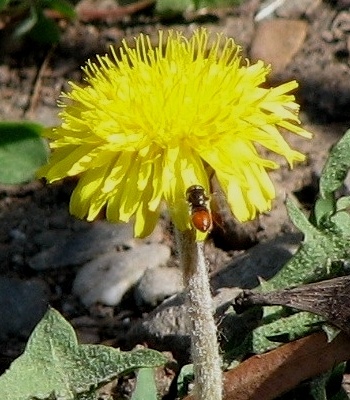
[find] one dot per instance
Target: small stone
(277, 41)
(82, 246)
(297, 8)
(157, 284)
(261, 261)
(107, 278)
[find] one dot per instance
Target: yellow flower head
(153, 121)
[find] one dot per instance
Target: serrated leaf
(145, 385)
(53, 364)
(317, 258)
(336, 167)
(293, 326)
(22, 151)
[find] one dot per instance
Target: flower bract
(150, 121)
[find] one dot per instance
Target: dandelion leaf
(54, 366)
(321, 254)
(336, 167)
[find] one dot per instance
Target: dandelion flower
(151, 121)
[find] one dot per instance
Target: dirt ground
(32, 77)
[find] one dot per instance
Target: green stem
(201, 325)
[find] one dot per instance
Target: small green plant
(28, 18)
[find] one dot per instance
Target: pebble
(286, 9)
(297, 8)
(263, 260)
(22, 305)
(157, 284)
(82, 246)
(107, 278)
(277, 41)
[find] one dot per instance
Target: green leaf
(170, 7)
(343, 203)
(45, 30)
(319, 257)
(269, 336)
(336, 167)
(22, 151)
(318, 387)
(341, 223)
(55, 366)
(145, 385)
(323, 209)
(62, 6)
(329, 380)
(300, 220)
(186, 376)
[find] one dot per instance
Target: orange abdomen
(201, 220)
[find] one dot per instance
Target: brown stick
(266, 376)
(35, 96)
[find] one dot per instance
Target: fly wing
(228, 232)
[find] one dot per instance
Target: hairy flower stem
(201, 325)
